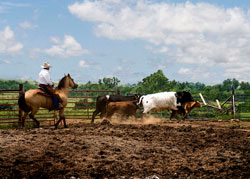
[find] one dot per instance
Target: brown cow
(185, 109)
(101, 103)
(124, 108)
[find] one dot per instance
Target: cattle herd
(178, 102)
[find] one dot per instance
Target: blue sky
(194, 41)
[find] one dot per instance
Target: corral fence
(242, 108)
(81, 104)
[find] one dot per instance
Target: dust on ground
(128, 150)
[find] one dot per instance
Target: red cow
(185, 109)
(123, 108)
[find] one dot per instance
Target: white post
(203, 99)
(218, 103)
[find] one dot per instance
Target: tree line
(156, 82)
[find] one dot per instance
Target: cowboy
(45, 83)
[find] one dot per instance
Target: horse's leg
(23, 119)
(32, 114)
(64, 122)
(56, 125)
(61, 117)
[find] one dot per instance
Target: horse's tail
(22, 104)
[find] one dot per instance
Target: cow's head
(197, 104)
(184, 96)
(193, 104)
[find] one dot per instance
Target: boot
(60, 102)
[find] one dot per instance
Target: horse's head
(72, 84)
(66, 81)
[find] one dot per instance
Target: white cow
(159, 102)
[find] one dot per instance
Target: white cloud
(8, 43)
(55, 40)
(6, 6)
(26, 77)
(35, 53)
(184, 71)
(118, 69)
(69, 47)
(5, 61)
(27, 25)
(197, 74)
(83, 64)
(123, 72)
(198, 34)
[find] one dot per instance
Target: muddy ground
(164, 149)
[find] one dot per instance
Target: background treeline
(156, 82)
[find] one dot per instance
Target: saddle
(55, 98)
(41, 91)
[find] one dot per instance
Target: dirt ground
(141, 149)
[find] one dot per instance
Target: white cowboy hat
(46, 65)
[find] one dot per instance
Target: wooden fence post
(118, 92)
(87, 104)
(20, 111)
(233, 102)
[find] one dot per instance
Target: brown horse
(31, 101)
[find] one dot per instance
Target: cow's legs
(94, 115)
(145, 115)
(98, 110)
(103, 113)
(185, 116)
(147, 110)
(174, 108)
(174, 115)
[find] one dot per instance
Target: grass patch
(9, 126)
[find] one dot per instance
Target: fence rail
(81, 104)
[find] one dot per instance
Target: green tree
(227, 84)
(156, 82)
(244, 86)
(109, 83)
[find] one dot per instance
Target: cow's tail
(22, 104)
(140, 100)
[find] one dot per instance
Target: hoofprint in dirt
(169, 149)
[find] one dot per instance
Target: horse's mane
(61, 83)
